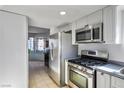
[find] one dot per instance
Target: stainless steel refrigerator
(60, 48)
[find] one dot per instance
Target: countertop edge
(111, 73)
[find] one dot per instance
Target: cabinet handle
(102, 73)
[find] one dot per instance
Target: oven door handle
(87, 75)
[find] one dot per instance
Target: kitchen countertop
(112, 69)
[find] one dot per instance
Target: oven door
(97, 32)
(83, 35)
(79, 79)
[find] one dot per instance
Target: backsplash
(116, 52)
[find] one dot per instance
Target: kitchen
(102, 45)
(85, 51)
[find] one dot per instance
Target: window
(40, 44)
(31, 43)
(36, 44)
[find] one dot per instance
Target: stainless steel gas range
(82, 70)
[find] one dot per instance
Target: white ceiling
(47, 16)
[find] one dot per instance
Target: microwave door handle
(92, 34)
(100, 33)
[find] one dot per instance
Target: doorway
(38, 51)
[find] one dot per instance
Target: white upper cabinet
(81, 22)
(109, 16)
(62, 28)
(74, 34)
(65, 28)
(95, 18)
(112, 25)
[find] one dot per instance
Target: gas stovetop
(91, 58)
(87, 62)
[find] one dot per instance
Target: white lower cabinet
(117, 82)
(108, 81)
(103, 80)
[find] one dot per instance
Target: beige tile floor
(38, 77)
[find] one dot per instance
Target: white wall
(13, 50)
(64, 27)
(116, 52)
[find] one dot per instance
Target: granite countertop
(112, 69)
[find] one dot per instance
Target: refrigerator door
(60, 48)
(53, 62)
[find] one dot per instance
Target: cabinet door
(74, 33)
(95, 17)
(117, 82)
(103, 80)
(65, 28)
(109, 24)
(81, 22)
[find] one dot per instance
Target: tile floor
(38, 77)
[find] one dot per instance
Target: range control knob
(82, 69)
(79, 67)
(85, 70)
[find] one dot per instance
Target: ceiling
(47, 16)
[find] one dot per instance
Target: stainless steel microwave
(93, 33)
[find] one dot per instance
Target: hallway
(38, 77)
